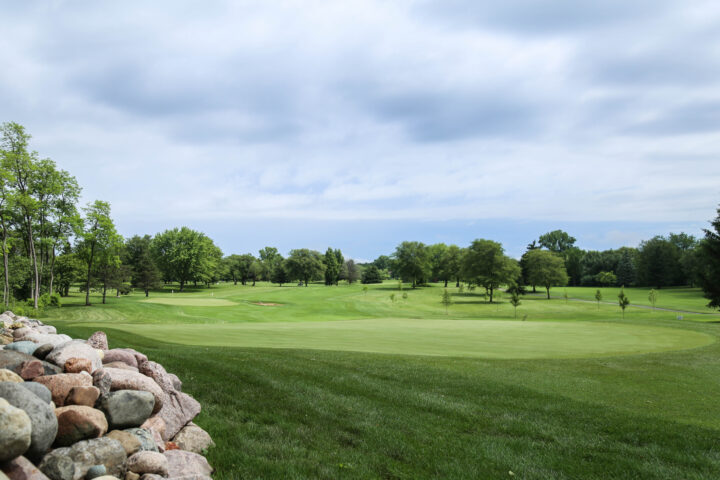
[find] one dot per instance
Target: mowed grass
(578, 406)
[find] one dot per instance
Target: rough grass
(297, 413)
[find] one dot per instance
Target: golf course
(383, 381)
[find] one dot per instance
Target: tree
(625, 269)
(556, 241)
(598, 297)
(333, 266)
(546, 268)
(652, 296)
(446, 300)
(269, 258)
(436, 257)
(352, 272)
(523, 264)
(305, 265)
(658, 263)
(485, 264)
(709, 276)
(371, 274)
(99, 239)
(279, 273)
(412, 262)
(184, 255)
(6, 209)
(623, 301)
(606, 278)
(515, 301)
(145, 273)
(68, 270)
(23, 165)
(451, 265)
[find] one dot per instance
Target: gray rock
(40, 390)
(95, 471)
(127, 408)
(148, 462)
(193, 439)
(43, 338)
(129, 380)
(42, 351)
(89, 453)
(24, 346)
(102, 380)
(42, 417)
(177, 411)
(58, 467)
(15, 431)
(146, 439)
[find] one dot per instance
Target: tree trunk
(457, 282)
(52, 270)
(548, 292)
(446, 283)
(87, 284)
(104, 291)
(534, 291)
(31, 242)
(182, 285)
(6, 291)
(491, 293)
(253, 282)
(147, 292)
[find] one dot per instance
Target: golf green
(502, 339)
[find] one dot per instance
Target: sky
(360, 124)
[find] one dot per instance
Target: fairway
(453, 338)
(191, 302)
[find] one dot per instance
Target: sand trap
(267, 304)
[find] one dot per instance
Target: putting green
(465, 338)
(191, 302)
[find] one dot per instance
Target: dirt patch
(267, 304)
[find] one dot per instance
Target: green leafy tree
(269, 258)
(371, 274)
(625, 269)
(436, 257)
(182, 255)
(547, 269)
(446, 300)
(69, 268)
(658, 263)
(279, 273)
(606, 278)
(709, 276)
(412, 262)
(451, 265)
(598, 297)
(556, 241)
(652, 297)
(145, 274)
(486, 264)
(99, 241)
(352, 271)
(524, 264)
(623, 301)
(305, 265)
(515, 302)
(334, 261)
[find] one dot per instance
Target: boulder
(77, 365)
(121, 355)
(182, 463)
(127, 380)
(74, 349)
(15, 431)
(127, 408)
(88, 453)
(101, 379)
(78, 422)
(130, 442)
(30, 369)
(145, 438)
(132, 476)
(24, 346)
(5, 339)
(193, 439)
(148, 462)
(10, 376)
(22, 469)
(120, 365)
(43, 338)
(98, 340)
(20, 332)
(58, 467)
(40, 390)
(42, 418)
(42, 351)
(86, 395)
(19, 362)
(61, 384)
(178, 410)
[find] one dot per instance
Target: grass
(592, 397)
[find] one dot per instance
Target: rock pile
(75, 409)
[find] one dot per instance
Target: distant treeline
(49, 245)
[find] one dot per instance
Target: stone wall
(75, 409)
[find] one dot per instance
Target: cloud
(419, 111)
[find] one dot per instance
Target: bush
(371, 275)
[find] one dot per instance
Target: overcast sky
(359, 124)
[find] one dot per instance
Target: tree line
(49, 244)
